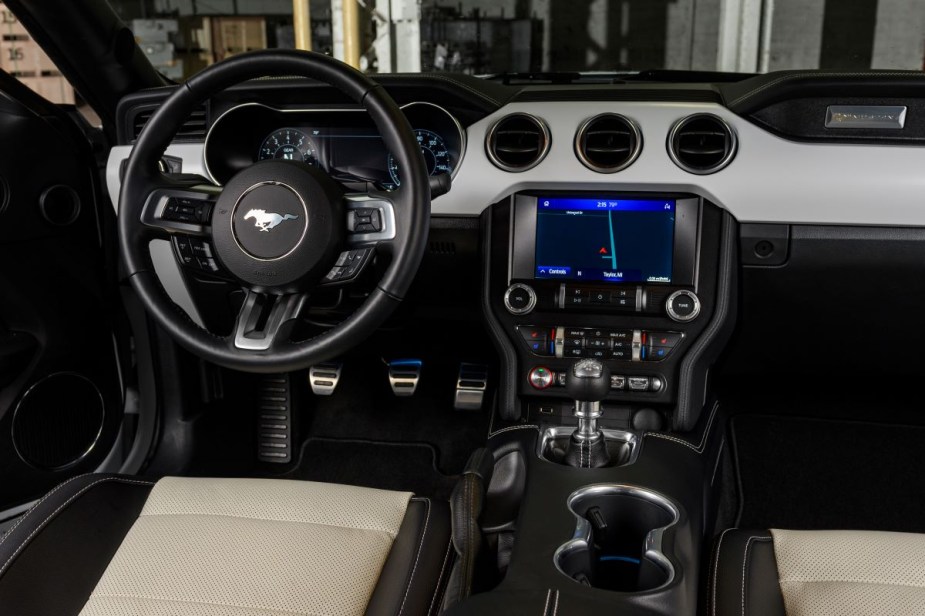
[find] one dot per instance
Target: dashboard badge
(265, 221)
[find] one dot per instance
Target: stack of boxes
(155, 38)
(21, 57)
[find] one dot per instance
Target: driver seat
(113, 545)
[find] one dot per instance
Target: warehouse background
(181, 37)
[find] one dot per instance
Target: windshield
(492, 37)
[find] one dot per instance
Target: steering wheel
(279, 228)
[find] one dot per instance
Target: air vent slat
(701, 144)
(607, 143)
(193, 129)
(517, 142)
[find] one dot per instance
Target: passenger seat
(813, 573)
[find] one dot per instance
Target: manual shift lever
(587, 382)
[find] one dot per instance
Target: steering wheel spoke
(173, 208)
(265, 321)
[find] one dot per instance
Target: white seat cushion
(249, 547)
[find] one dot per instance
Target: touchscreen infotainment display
(604, 239)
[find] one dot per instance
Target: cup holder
(617, 543)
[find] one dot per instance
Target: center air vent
(701, 143)
(517, 142)
(608, 143)
(193, 128)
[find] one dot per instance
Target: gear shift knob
(588, 380)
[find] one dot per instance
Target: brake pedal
(274, 419)
(404, 375)
(324, 377)
(470, 387)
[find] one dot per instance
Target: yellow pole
(302, 24)
(351, 33)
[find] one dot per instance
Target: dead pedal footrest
(274, 419)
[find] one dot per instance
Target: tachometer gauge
(436, 155)
(289, 144)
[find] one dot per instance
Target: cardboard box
(53, 88)
(232, 35)
(154, 30)
(19, 54)
(158, 54)
(9, 24)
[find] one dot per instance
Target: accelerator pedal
(404, 375)
(470, 387)
(274, 419)
(324, 377)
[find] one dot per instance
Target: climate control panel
(605, 344)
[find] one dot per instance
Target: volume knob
(520, 299)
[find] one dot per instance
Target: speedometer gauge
(289, 144)
(436, 155)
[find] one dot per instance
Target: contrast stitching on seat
(703, 439)
(555, 606)
(719, 546)
(203, 514)
(509, 428)
(546, 607)
(745, 564)
(446, 558)
(199, 602)
(54, 513)
(401, 609)
(871, 582)
(36, 505)
(719, 457)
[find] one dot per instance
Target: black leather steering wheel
(278, 227)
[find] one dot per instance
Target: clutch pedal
(404, 375)
(274, 419)
(324, 378)
(470, 387)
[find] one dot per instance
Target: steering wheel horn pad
(279, 225)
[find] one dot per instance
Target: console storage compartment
(617, 543)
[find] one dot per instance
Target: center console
(608, 310)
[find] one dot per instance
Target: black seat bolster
(413, 575)
(743, 576)
(61, 567)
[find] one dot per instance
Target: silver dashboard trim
(882, 117)
(547, 136)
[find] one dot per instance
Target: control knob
(682, 306)
(520, 299)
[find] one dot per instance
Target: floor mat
(387, 466)
(821, 474)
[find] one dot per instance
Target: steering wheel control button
(185, 209)
(541, 377)
(682, 306)
(364, 220)
(348, 266)
(520, 299)
(269, 221)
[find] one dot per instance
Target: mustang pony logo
(265, 221)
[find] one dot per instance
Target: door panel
(60, 393)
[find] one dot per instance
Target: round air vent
(701, 143)
(608, 143)
(58, 421)
(517, 142)
(60, 205)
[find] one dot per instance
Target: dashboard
(343, 142)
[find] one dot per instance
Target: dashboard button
(540, 377)
(664, 339)
(576, 300)
(574, 352)
(600, 297)
(624, 302)
(574, 342)
(597, 343)
(624, 293)
(622, 354)
(574, 333)
(654, 353)
(621, 334)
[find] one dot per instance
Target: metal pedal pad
(470, 387)
(404, 375)
(324, 377)
(274, 419)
